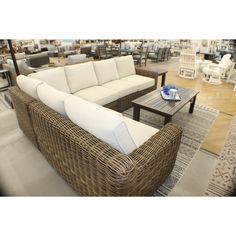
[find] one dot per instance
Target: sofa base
(125, 102)
(90, 166)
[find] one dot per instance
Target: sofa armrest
(21, 102)
(148, 73)
(155, 159)
(90, 166)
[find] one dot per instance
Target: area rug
(195, 128)
(223, 182)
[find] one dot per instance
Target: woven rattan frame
(92, 167)
(20, 102)
(126, 102)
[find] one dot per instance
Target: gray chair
(140, 56)
(86, 50)
(102, 52)
(24, 69)
(167, 54)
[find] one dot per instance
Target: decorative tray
(167, 97)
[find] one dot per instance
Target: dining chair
(102, 52)
(140, 55)
(86, 50)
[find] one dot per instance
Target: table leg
(163, 80)
(192, 104)
(136, 113)
(167, 119)
(8, 77)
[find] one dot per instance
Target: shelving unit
(188, 66)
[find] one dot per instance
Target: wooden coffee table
(154, 102)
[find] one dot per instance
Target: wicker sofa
(113, 83)
(91, 166)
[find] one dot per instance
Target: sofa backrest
(105, 125)
(106, 70)
(55, 77)
(72, 78)
(81, 76)
(52, 97)
(125, 66)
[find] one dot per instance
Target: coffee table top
(154, 102)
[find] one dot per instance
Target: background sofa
(39, 59)
(96, 150)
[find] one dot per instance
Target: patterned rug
(195, 127)
(223, 182)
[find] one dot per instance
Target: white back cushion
(28, 85)
(52, 97)
(100, 122)
(55, 77)
(125, 66)
(106, 70)
(139, 132)
(81, 76)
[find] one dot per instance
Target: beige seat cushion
(81, 76)
(139, 132)
(123, 88)
(55, 77)
(98, 94)
(125, 66)
(106, 70)
(143, 82)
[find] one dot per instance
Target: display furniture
(188, 65)
(214, 73)
(91, 166)
(155, 103)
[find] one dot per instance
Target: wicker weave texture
(125, 102)
(92, 167)
(20, 102)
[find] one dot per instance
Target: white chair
(188, 65)
(213, 73)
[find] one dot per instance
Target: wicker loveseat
(89, 165)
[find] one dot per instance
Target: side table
(159, 71)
